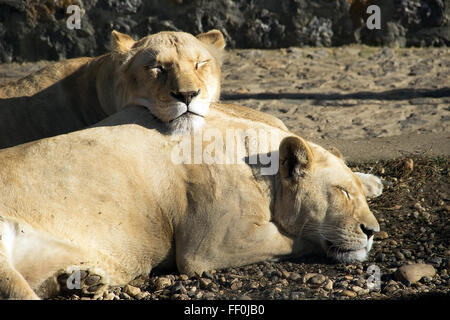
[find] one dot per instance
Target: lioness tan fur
(174, 74)
(110, 203)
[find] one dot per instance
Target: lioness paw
(82, 281)
(373, 186)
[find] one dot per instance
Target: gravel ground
(413, 213)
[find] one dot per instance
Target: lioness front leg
(12, 283)
(240, 243)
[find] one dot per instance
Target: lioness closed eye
(174, 74)
(108, 204)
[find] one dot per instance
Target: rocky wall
(36, 29)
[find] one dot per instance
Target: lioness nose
(185, 96)
(367, 231)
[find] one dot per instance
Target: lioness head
(174, 74)
(320, 200)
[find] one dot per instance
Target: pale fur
(110, 198)
(74, 94)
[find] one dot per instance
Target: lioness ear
(213, 37)
(295, 158)
(121, 42)
(373, 187)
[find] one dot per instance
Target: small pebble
(317, 279)
(329, 285)
(162, 283)
(109, 296)
(143, 295)
(124, 296)
(205, 283)
(184, 277)
(131, 290)
(294, 276)
(356, 288)
(349, 293)
(412, 273)
(381, 235)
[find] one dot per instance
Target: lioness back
(41, 79)
(250, 114)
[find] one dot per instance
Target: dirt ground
(372, 103)
(387, 110)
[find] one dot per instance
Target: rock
(342, 284)
(381, 235)
(412, 273)
(131, 290)
(208, 275)
(162, 283)
(208, 295)
(142, 295)
(124, 296)
(308, 276)
(108, 296)
(205, 283)
(184, 277)
(39, 31)
(436, 260)
(284, 282)
(179, 288)
(399, 256)
(356, 289)
(380, 257)
(297, 295)
(329, 285)
(349, 293)
(235, 285)
(318, 279)
(176, 296)
(294, 276)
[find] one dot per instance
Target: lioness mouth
(333, 248)
(186, 113)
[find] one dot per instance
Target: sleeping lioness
(174, 74)
(110, 203)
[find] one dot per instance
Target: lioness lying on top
(174, 74)
(113, 202)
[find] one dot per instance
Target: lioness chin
(174, 74)
(109, 203)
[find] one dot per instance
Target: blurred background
(32, 30)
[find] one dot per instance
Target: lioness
(112, 203)
(174, 74)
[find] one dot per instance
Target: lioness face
(174, 74)
(324, 203)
